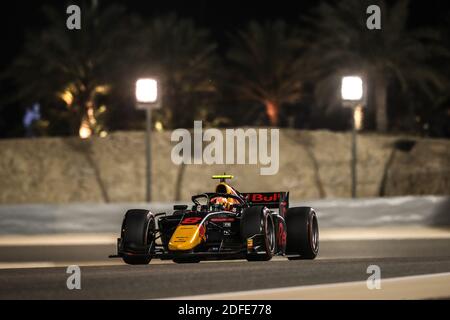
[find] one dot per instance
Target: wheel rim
(150, 233)
(270, 235)
(314, 234)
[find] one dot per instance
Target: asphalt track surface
(339, 261)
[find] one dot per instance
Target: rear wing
(271, 200)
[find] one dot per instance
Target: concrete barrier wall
(313, 164)
(91, 218)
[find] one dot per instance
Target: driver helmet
(221, 201)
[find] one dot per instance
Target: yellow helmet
(221, 201)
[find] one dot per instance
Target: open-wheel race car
(224, 224)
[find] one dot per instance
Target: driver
(224, 202)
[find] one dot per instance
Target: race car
(224, 224)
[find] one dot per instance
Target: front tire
(138, 236)
(258, 221)
(302, 233)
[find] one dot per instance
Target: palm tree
(340, 42)
(265, 66)
(75, 66)
(184, 57)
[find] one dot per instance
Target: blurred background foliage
(266, 73)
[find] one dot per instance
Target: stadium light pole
(352, 93)
(147, 98)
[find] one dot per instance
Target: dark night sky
(219, 16)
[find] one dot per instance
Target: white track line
(27, 265)
(426, 286)
(101, 263)
(326, 234)
(52, 264)
(58, 239)
(384, 233)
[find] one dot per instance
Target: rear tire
(302, 233)
(258, 220)
(138, 236)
